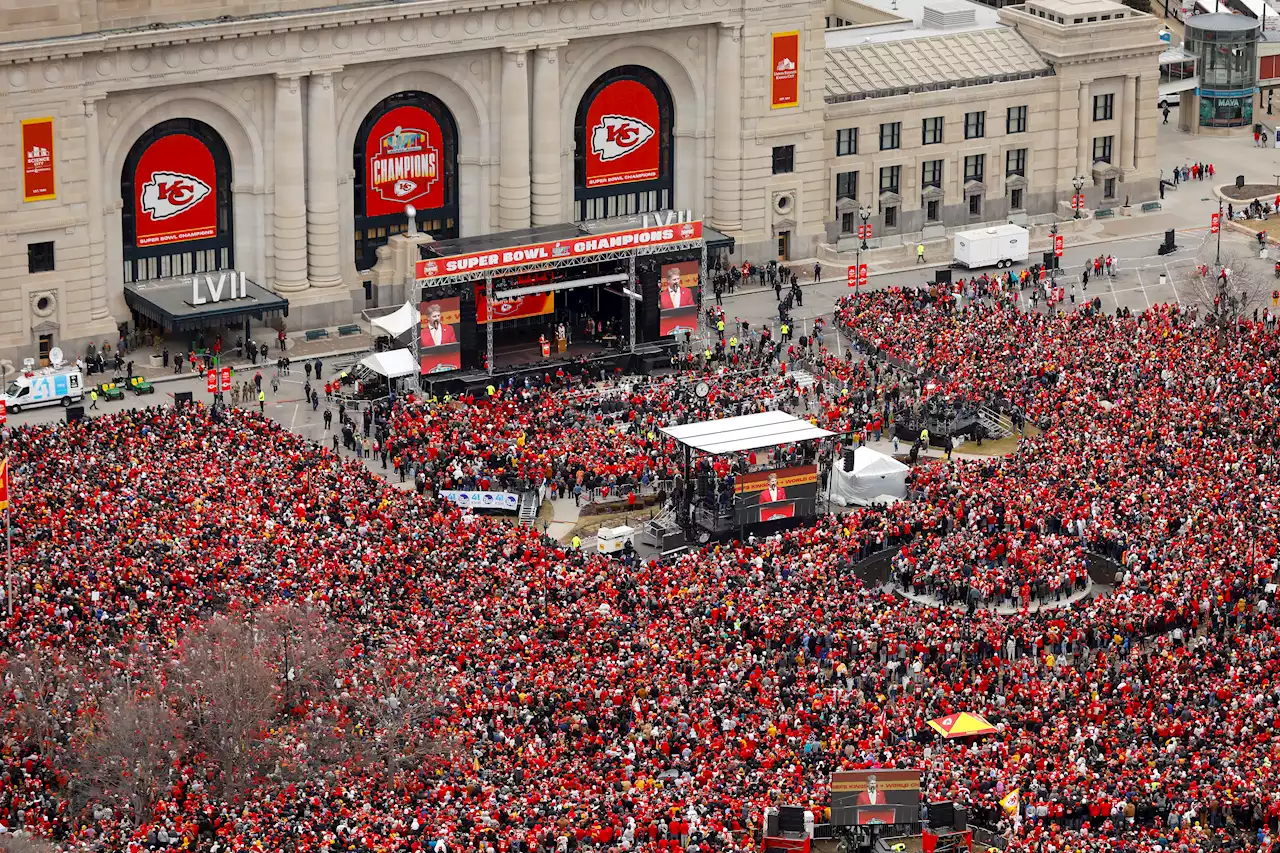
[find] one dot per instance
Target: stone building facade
(280, 106)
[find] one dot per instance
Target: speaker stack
(75, 413)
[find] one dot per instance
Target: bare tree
(25, 844)
(226, 695)
(394, 705)
(1226, 300)
(43, 696)
(124, 756)
(304, 648)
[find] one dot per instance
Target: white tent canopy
(392, 364)
(745, 432)
(874, 478)
(398, 322)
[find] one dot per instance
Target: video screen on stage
(775, 495)
(678, 298)
(874, 796)
(529, 305)
(439, 335)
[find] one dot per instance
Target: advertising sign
(678, 298)
(506, 501)
(779, 493)
(404, 154)
(530, 305)
(439, 335)
(1214, 222)
(225, 373)
(579, 247)
(1057, 245)
(211, 380)
(876, 795)
(175, 196)
(37, 160)
(623, 135)
(785, 91)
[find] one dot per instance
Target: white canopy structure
(746, 432)
(391, 364)
(875, 478)
(398, 322)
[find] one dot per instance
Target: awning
(717, 240)
(187, 303)
(746, 432)
(391, 364)
(398, 322)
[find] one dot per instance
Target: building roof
(745, 432)
(930, 62)
(1077, 8)
(1222, 22)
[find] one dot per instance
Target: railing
(995, 424)
(529, 506)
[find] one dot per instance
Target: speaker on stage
(75, 413)
(961, 819)
(181, 399)
(848, 458)
(942, 814)
(942, 276)
(791, 818)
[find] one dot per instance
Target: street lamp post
(864, 213)
(1217, 257)
(1078, 183)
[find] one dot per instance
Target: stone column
(290, 191)
(726, 180)
(1128, 117)
(513, 168)
(1083, 137)
(547, 112)
(323, 263)
(98, 309)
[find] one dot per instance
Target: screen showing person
(435, 332)
(439, 335)
(772, 493)
(871, 796)
(678, 298)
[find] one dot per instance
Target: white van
(44, 388)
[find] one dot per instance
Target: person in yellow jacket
(262, 402)
(576, 542)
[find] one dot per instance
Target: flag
(1011, 802)
(4, 484)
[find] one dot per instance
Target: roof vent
(944, 15)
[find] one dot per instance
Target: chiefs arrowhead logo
(618, 136)
(504, 307)
(170, 193)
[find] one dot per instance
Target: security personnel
(707, 355)
(93, 399)
(720, 329)
(491, 390)
(733, 343)
(262, 401)
(786, 332)
(919, 253)
(924, 437)
(576, 543)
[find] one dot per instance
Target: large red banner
(37, 160)
(580, 247)
(785, 89)
(175, 192)
(623, 135)
(531, 305)
(403, 163)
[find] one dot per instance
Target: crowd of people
(587, 705)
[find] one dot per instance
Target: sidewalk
(324, 349)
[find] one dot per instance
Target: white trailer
(1001, 246)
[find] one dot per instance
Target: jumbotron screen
(874, 796)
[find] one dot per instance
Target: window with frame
(846, 185)
(931, 174)
(1015, 162)
(848, 222)
(1103, 107)
(933, 210)
(891, 216)
(1016, 120)
(846, 141)
(975, 167)
(932, 131)
(1109, 188)
(975, 125)
(1015, 198)
(40, 257)
(1102, 149)
(975, 205)
(890, 135)
(784, 159)
(890, 178)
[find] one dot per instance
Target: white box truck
(1001, 246)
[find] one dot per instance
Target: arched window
(177, 217)
(623, 145)
(406, 153)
